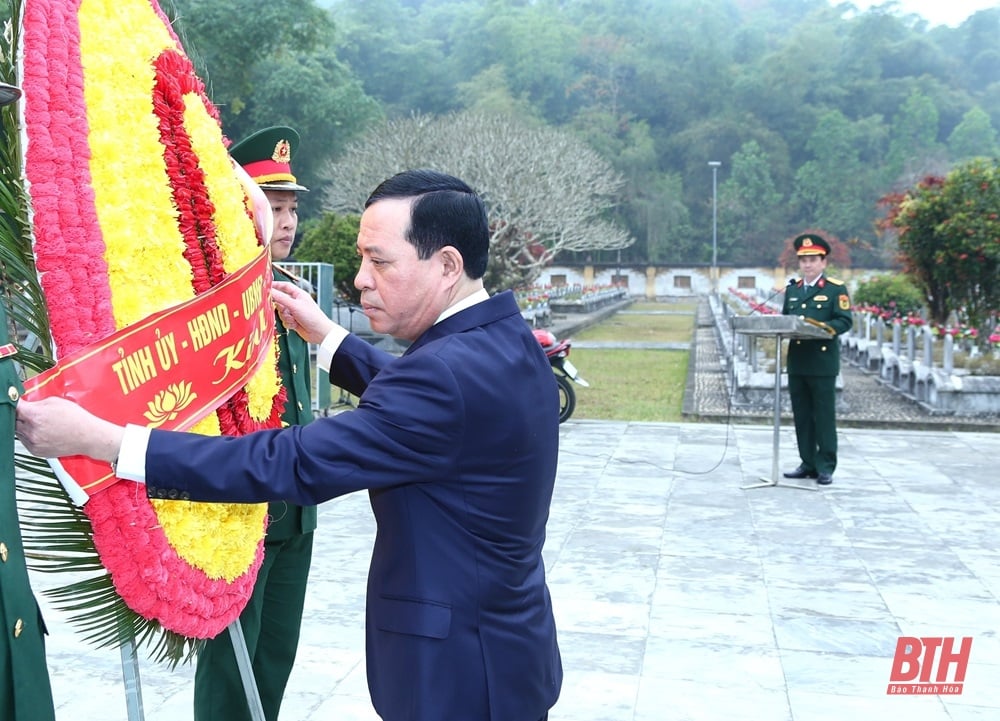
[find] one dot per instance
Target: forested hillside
(815, 111)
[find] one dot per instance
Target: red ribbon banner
(168, 370)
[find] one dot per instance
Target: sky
(936, 12)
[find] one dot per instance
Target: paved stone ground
(678, 595)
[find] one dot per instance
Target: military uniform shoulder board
(299, 281)
(835, 281)
(287, 273)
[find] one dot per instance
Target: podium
(779, 327)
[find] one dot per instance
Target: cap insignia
(282, 152)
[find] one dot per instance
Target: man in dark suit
(456, 442)
(813, 365)
(25, 691)
(272, 618)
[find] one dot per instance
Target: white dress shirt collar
(467, 302)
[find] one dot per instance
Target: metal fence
(317, 278)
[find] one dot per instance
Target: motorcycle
(557, 351)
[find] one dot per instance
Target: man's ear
(452, 261)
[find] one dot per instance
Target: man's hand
(299, 312)
(56, 427)
(820, 324)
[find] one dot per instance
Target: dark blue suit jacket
(457, 442)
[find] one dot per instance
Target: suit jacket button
(161, 493)
(185, 496)
(18, 627)
(3, 552)
(13, 394)
(172, 494)
(823, 347)
(295, 368)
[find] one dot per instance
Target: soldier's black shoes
(801, 472)
(824, 479)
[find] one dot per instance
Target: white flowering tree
(545, 190)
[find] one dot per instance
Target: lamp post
(714, 165)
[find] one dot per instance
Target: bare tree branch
(545, 190)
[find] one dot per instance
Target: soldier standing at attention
(273, 617)
(813, 365)
(25, 691)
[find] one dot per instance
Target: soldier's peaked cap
(811, 244)
(267, 157)
(8, 94)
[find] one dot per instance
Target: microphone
(755, 307)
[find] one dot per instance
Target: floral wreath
(136, 207)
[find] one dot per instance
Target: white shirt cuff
(132, 454)
(329, 346)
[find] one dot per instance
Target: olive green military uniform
(273, 616)
(25, 692)
(813, 366)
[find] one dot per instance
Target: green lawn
(630, 385)
(648, 328)
(633, 384)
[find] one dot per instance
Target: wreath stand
(133, 687)
(130, 675)
(246, 670)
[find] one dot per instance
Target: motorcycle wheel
(567, 398)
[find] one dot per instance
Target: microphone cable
(730, 375)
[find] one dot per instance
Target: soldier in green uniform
(25, 691)
(273, 617)
(813, 365)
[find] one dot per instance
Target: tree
(669, 237)
(270, 63)
(749, 206)
(660, 87)
(545, 191)
(400, 51)
(536, 43)
(974, 137)
(949, 238)
(333, 238)
(489, 93)
(981, 61)
(832, 189)
(913, 147)
(227, 39)
(286, 94)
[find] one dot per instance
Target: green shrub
(894, 293)
(333, 238)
